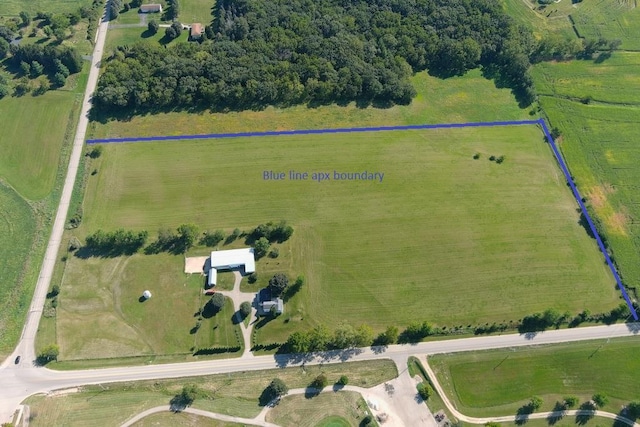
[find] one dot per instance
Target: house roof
(234, 258)
(265, 307)
(196, 30)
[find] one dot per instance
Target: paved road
(23, 380)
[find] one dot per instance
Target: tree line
(178, 241)
(318, 51)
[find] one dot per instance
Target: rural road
(25, 347)
(23, 380)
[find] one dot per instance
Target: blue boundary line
(539, 122)
(311, 131)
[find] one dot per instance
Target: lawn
(600, 143)
(14, 7)
(128, 36)
(487, 242)
(100, 315)
(504, 380)
(343, 409)
(233, 394)
(196, 11)
(457, 99)
(17, 232)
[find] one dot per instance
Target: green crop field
(613, 81)
(235, 393)
(457, 99)
(17, 232)
(504, 380)
(448, 238)
(30, 154)
(35, 139)
(600, 143)
(14, 7)
(611, 19)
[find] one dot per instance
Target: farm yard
(504, 236)
(501, 384)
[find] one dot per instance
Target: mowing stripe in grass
(312, 131)
(576, 194)
(539, 122)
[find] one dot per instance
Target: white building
(228, 260)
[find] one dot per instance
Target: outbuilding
(151, 8)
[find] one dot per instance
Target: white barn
(228, 260)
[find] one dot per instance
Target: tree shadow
(209, 310)
(523, 413)
(586, 412)
(147, 33)
(311, 392)
(603, 56)
(558, 412)
(177, 404)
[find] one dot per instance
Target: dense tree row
(118, 242)
(287, 52)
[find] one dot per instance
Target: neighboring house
(265, 303)
(151, 8)
(228, 260)
(196, 31)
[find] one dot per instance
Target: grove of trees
(286, 52)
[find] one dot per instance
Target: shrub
(492, 158)
(261, 247)
(245, 309)
(212, 238)
(500, 159)
(274, 253)
(95, 152)
(320, 382)
(476, 156)
(344, 380)
(253, 277)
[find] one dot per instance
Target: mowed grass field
(14, 7)
(232, 394)
(600, 143)
(457, 99)
(326, 409)
(504, 380)
(443, 238)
